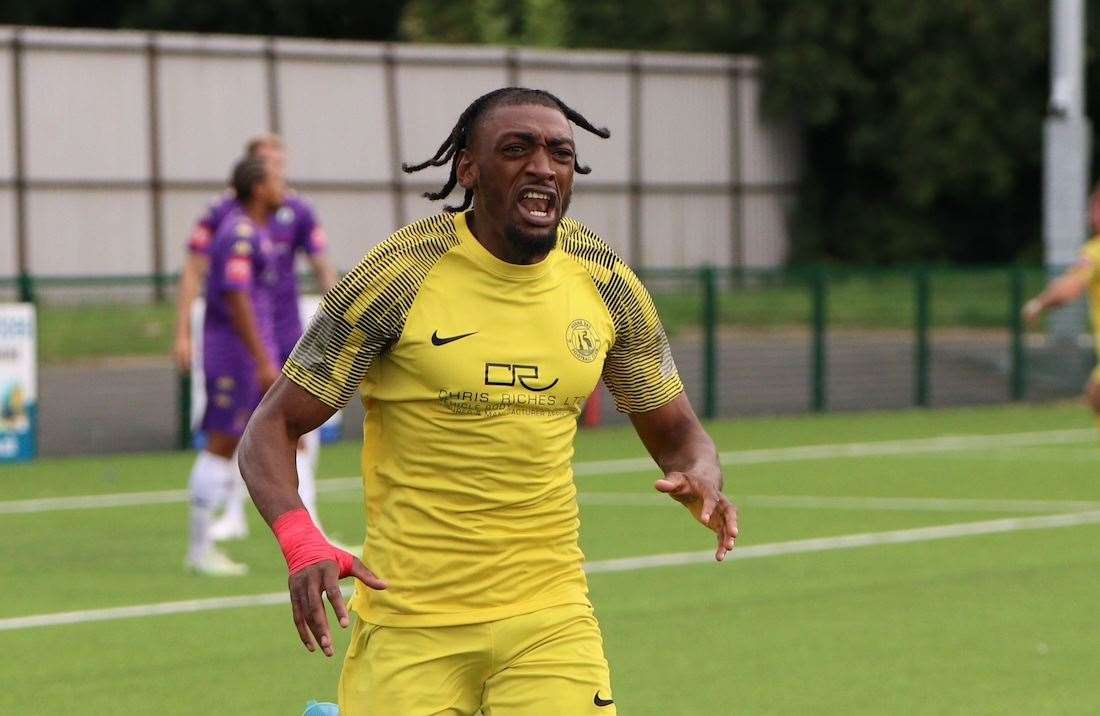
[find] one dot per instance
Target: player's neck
(257, 211)
(496, 243)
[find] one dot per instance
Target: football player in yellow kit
(1083, 277)
(473, 338)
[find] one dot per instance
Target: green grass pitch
(986, 623)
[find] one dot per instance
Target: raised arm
(686, 455)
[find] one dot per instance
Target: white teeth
(538, 196)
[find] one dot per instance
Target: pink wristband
(303, 544)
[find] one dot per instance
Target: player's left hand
(703, 498)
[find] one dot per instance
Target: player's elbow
(280, 416)
(266, 429)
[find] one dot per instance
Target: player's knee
(210, 480)
(208, 493)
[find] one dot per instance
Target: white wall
(706, 187)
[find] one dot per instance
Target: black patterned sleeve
(639, 371)
(364, 314)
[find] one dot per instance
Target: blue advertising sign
(18, 383)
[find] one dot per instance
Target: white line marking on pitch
(950, 443)
(816, 502)
(825, 502)
(947, 443)
(86, 502)
(622, 499)
(866, 539)
(627, 564)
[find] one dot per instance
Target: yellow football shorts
(547, 662)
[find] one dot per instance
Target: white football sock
(238, 494)
(209, 483)
(311, 444)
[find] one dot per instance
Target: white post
(1066, 152)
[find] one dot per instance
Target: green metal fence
(823, 338)
(818, 338)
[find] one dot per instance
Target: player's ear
(466, 170)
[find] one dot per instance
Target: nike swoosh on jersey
(437, 341)
(601, 702)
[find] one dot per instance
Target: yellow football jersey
(1088, 266)
(473, 372)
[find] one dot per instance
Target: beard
(529, 245)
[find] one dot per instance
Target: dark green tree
(923, 126)
(539, 23)
(922, 119)
(347, 19)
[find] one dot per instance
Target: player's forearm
(266, 456)
(1061, 291)
(677, 441)
(267, 450)
(1045, 301)
(1059, 294)
(689, 449)
(191, 277)
(244, 323)
(324, 272)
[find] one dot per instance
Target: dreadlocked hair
(459, 137)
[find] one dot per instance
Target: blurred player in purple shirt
(240, 350)
(293, 229)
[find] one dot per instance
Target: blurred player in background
(1083, 277)
(294, 229)
(240, 353)
(474, 338)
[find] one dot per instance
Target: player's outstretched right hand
(307, 605)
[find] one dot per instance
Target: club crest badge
(583, 340)
(285, 215)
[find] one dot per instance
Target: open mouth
(538, 205)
